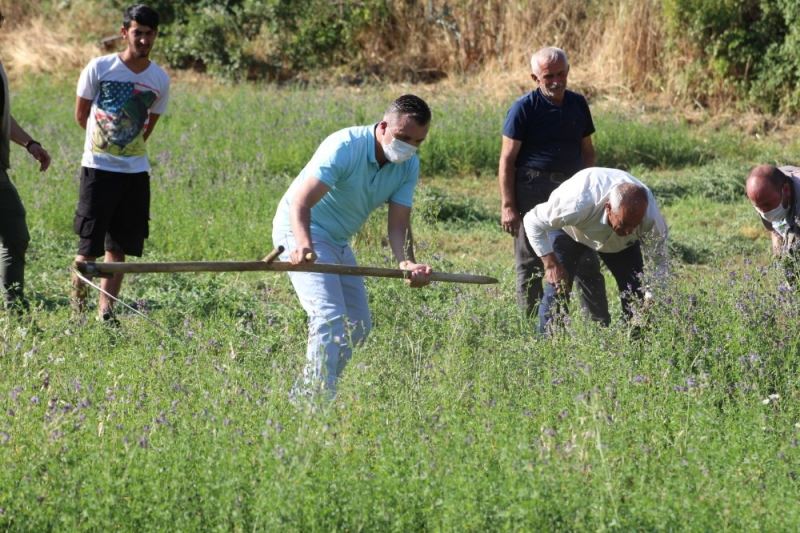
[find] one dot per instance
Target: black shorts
(113, 212)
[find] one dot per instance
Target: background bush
(707, 50)
(718, 54)
(262, 39)
(740, 48)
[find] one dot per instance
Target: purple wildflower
(15, 393)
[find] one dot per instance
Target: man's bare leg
(110, 285)
(77, 298)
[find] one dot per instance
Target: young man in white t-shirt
(119, 100)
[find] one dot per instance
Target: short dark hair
(413, 106)
(142, 14)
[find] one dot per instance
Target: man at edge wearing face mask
(774, 193)
(353, 172)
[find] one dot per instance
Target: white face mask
(775, 215)
(398, 151)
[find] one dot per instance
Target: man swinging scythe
(353, 172)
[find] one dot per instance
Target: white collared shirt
(577, 207)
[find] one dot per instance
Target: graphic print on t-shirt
(120, 115)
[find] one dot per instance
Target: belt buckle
(555, 177)
(534, 174)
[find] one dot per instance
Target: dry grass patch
(36, 49)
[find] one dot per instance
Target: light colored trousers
(338, 313)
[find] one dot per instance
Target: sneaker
(109, 318)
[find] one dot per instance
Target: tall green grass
(453, 415)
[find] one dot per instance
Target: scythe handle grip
(273, 255)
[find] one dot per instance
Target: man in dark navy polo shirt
(546, 139)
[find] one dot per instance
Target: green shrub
(742, 48)
(435, 205)
(252, 38)
(208, 40)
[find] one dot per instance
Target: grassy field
(453, 416)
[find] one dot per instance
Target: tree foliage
(714, 52)
(262, 38)
(746, 48)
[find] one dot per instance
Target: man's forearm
(657, 247)
(301, 226)
(777, 243)
(401, 242)
(589, 157)
(151, 125)
(17, 134)
(506, 179)
(536, 232)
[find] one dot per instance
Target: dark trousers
(14, 238)
(626, 267)
(530, 191)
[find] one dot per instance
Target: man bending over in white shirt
(606, 210)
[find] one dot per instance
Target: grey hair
(547, 55)
(629, 195)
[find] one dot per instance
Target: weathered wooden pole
(91, 268)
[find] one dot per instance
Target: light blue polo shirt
(346, 163)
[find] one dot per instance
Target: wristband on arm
(31, 143)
